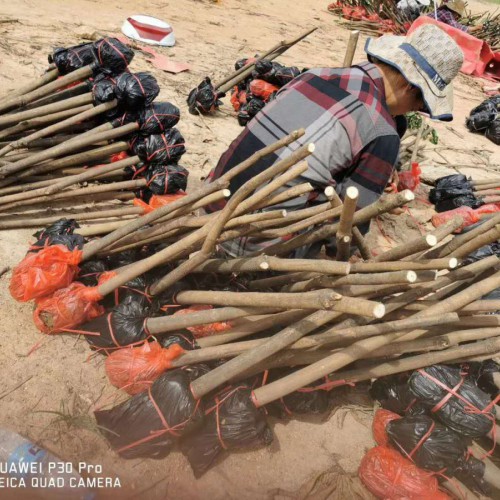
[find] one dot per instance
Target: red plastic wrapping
(158, 201)
(390, 476)
(134, 369)
(205, 330)
(67, 308)
(238, 97)
(42, 273)
(380, 420)
(262, 89)
(122, 155)
(470, 215)
(409, 179)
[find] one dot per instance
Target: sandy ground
(60, 384)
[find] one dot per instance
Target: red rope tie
(140, 84)
(217, 420)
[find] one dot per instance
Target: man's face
(407, 98)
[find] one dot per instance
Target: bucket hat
(429, 59)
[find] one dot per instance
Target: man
(449, 12)
(350, 116)
(411, 9)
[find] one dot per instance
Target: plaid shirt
(446, 16)
(344, 113)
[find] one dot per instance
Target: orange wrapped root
(262, 89)
(42, 273)
(380, 420)
(208, 329)
(67, 308)
(390, 476)
(470, 215)
(157, 201)
(134, 369)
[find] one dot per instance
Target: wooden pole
(384, 204)
(338, 360)
(418, 244)
(47, 77)
(351, 48)
(49, 88)
(58, 127)
(66, 148)
(344, 233)
(221, 183)
(486, 238)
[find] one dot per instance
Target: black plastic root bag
(493, 131)
(158, 118)
(112, 55)
(160, 148)
(203, 98)
(483, 252)
(72, 58)
(232, 422)
(394, 394)
(166, 179)
(482, 374)
(434, 447)
(59, 233)
(122, 326)
(454, 400)
(453, 191)
(136, 90)
(482, 116)
(149, 423)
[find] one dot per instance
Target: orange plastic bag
(208, 329)
(158, 201)
(409, 179)
(469, 215)
(262, 89)
(380, 420)
(42, 273)
(390, 476)
(122, 155)
(67, 308)
(134, 369)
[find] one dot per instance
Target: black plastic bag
(204, 99)
(463, 414)
(468, 200)
(232, 422)
(149, 423)
(166, 179)
(91, 270)
(482, 374)
(185, 339)
(432, 446)
(59, 233)
(493, 131)
(250, 109)
(286, 75)
(483, 252)
(122, 326)
(72, 58)
(164, 148)
(450, 186)
(483, 115)
(394, 394)
(136, 90)
(112, 55)
(103, 90)
(158, 118)
(267, 70)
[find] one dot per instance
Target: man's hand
(473, 29)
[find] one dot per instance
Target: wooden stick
(42, 120)
(43, 221)
(251, 325)
(60, 95)
(47, 77)
(229, 82)
(411, 247)
(322, 299)
(382, 205)
(74, 102)
(462, 239)
(477, 306)
(351, 48)
(49, 88)
(305, 376)
(375, 267)
(74, 193)
(486, 238)
(363, 247)
(215, 228)
(58, 127)
(266, 263)
(344, 233)
(487, 192)
(217, 185)
(65, 148)
(252, 357)
(288, 194)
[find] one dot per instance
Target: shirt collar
(376, 76)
